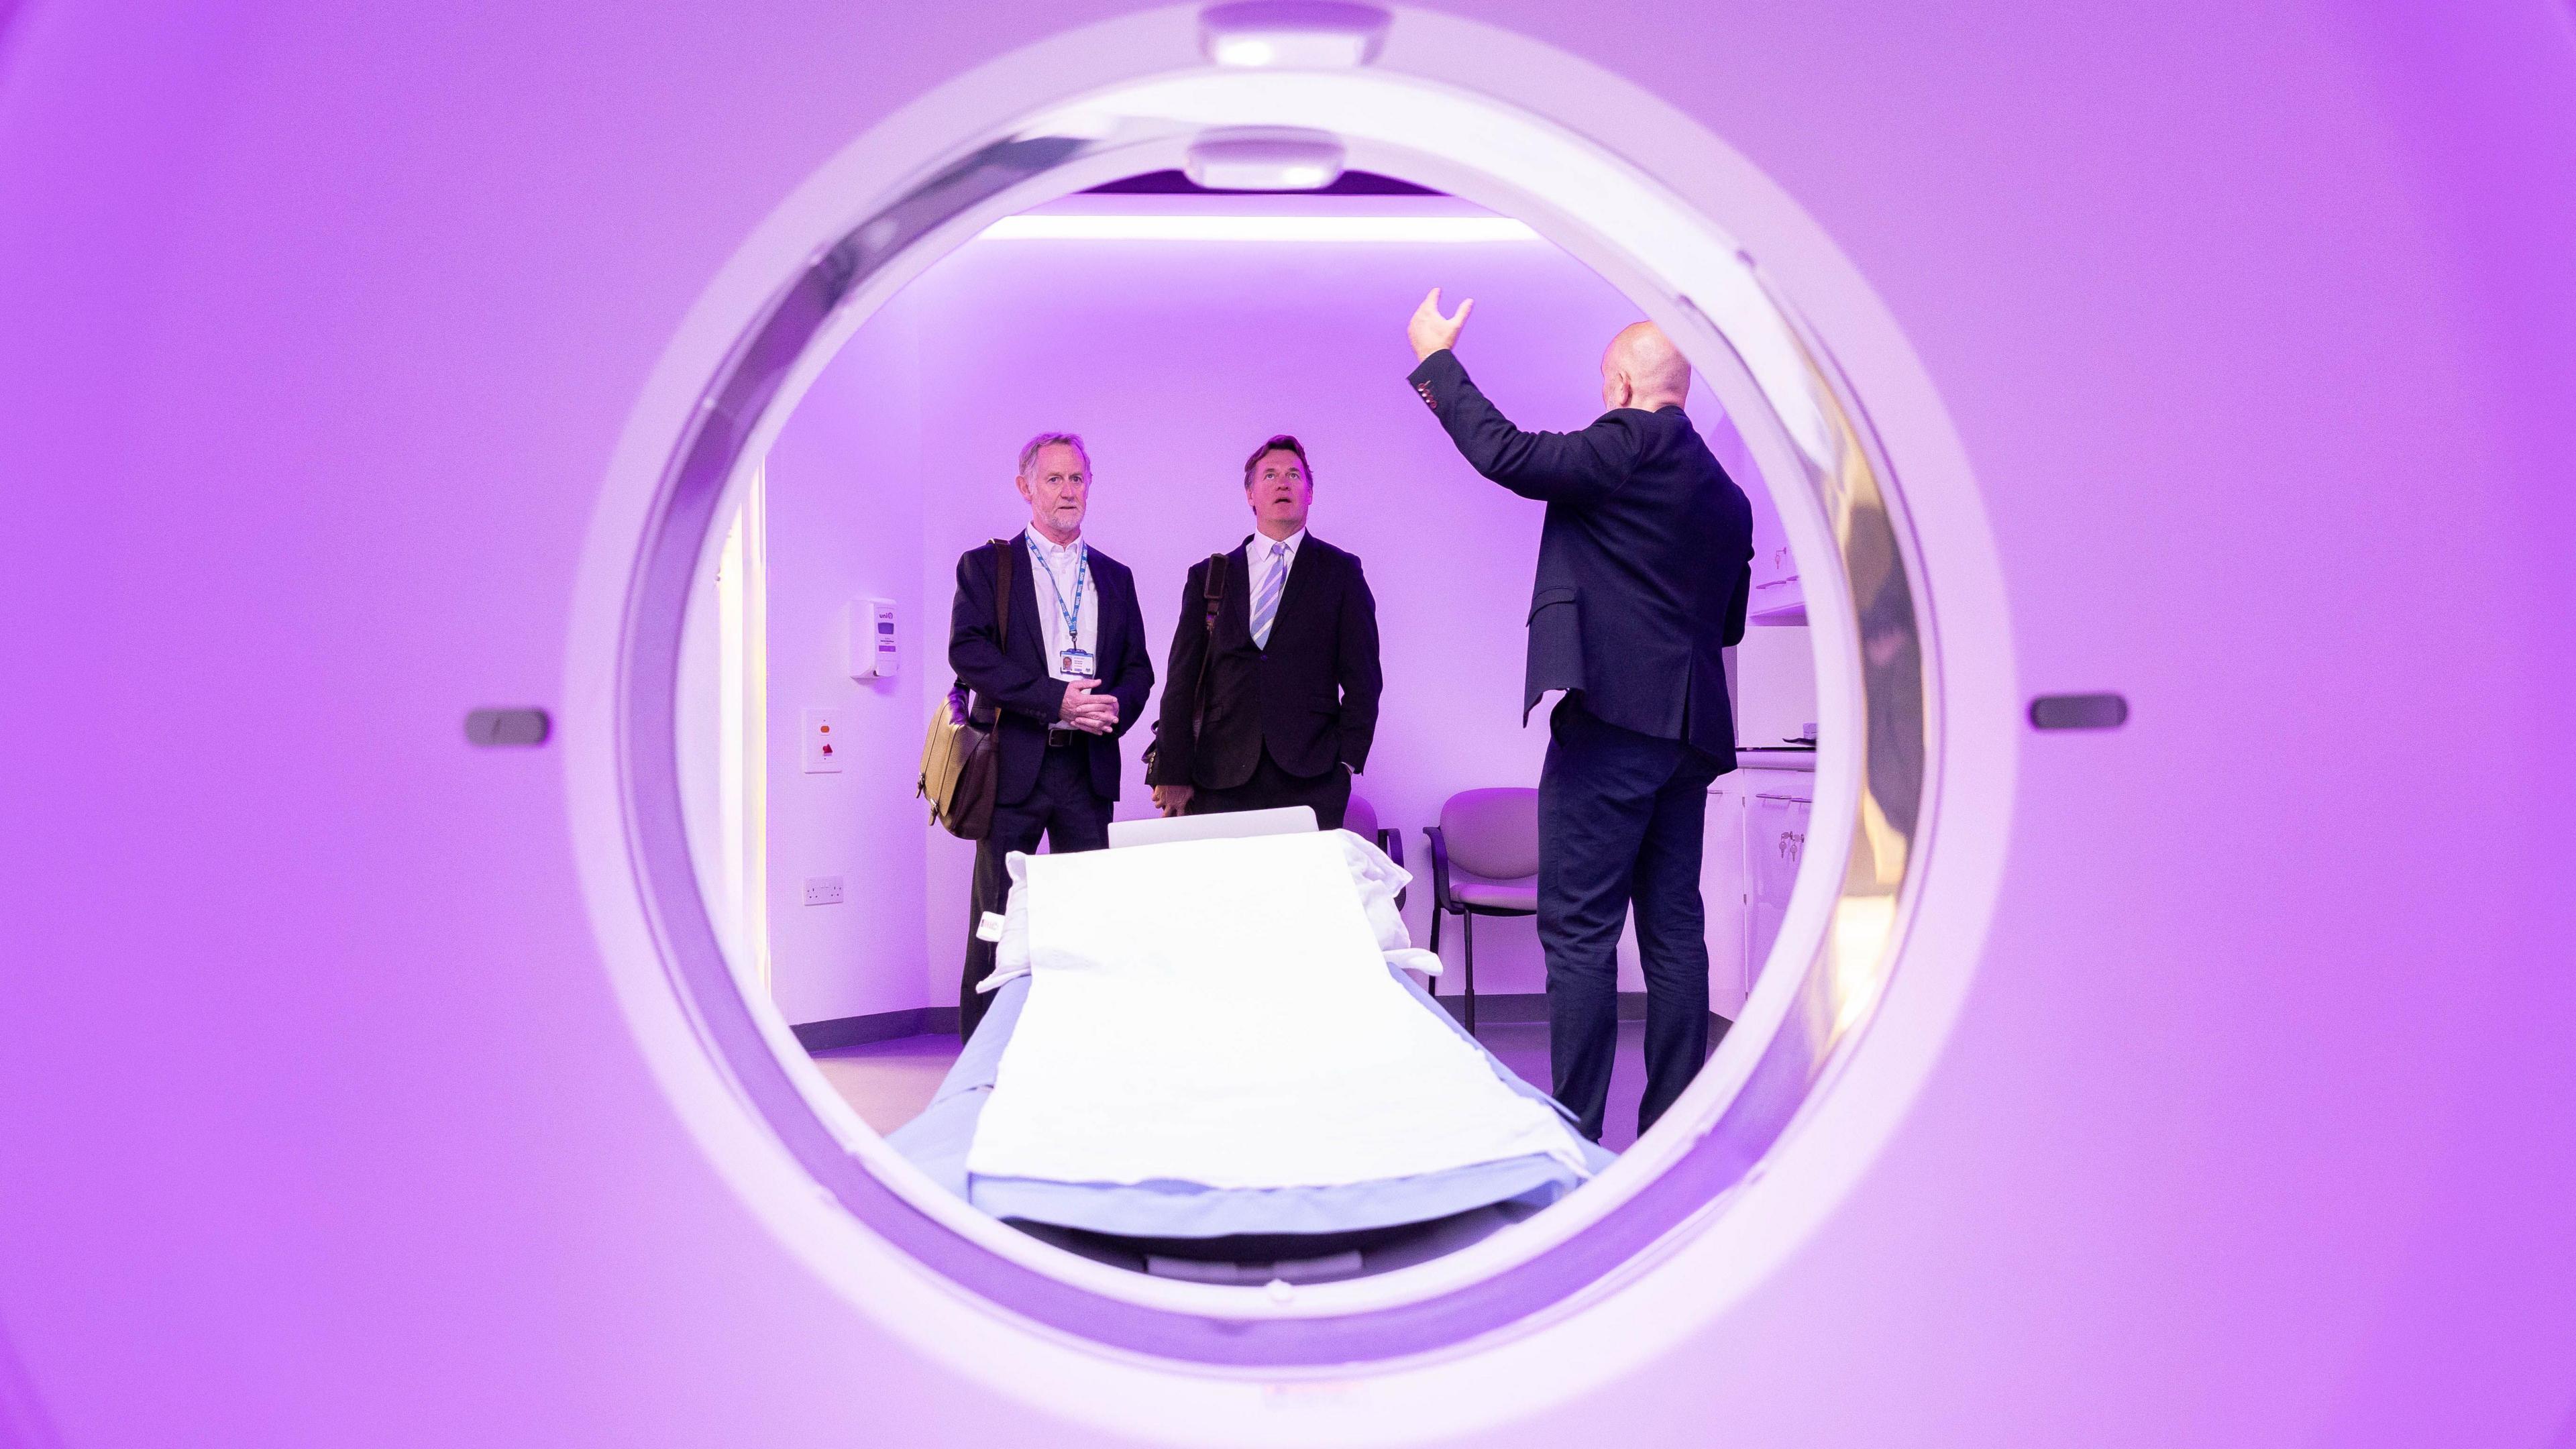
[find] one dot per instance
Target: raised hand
(1429, 332)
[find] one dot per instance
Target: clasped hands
(1093, 714)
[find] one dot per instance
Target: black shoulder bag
(1214, 593)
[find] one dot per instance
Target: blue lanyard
(1081, 571)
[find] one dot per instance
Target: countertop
(1767, 757)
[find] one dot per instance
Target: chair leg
(1467, 930)
(1436, 914)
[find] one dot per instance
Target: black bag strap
(1215, 595)
(1214, 592)
(1002, 553)
(991, 714)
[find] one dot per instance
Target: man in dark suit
(1643, 566)
(1276, 702)
(1072, 678)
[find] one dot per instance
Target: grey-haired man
(1072, 679)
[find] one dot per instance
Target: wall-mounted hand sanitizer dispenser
(872, 639)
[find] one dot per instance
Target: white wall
(1776, 667)
(1172, 360)
(845, 510)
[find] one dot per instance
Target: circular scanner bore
(1768, 366)
(2218, 1096)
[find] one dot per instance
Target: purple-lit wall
(340, 1101)
(1173, 359)
(845, 516)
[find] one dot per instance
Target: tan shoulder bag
(961, 756)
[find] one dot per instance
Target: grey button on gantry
(491, 727)
(2079, 711)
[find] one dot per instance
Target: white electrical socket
(822, 890)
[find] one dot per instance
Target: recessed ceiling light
(1264, 160)
(1184, 227)
(1302, 34)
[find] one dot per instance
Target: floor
(1523, 1047)
(888, 1082)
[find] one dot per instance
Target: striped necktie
(1265, 605)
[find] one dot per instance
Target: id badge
(1077, 664)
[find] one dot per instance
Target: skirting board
(1528, 1005)
(849, 1031)
(1522, 1006)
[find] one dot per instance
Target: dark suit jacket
(1644, 562)
(1311, 696)
(1016, 680)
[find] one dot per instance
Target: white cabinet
(1757, 835)
(1775, 838)
(1724, 894)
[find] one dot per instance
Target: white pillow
(1377, 878)
(1009, 931)
(1414, 958)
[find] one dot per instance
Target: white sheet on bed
(1218, 1012)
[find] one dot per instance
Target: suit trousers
(1620, 819)
(1064, 810)
(1271, 788)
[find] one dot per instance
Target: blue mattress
(937, 1140)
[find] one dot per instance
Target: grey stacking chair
(1484, 862)
(1360, 819)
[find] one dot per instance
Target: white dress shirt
(1258, 562)
(1055, 583)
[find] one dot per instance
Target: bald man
(1643, 567)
